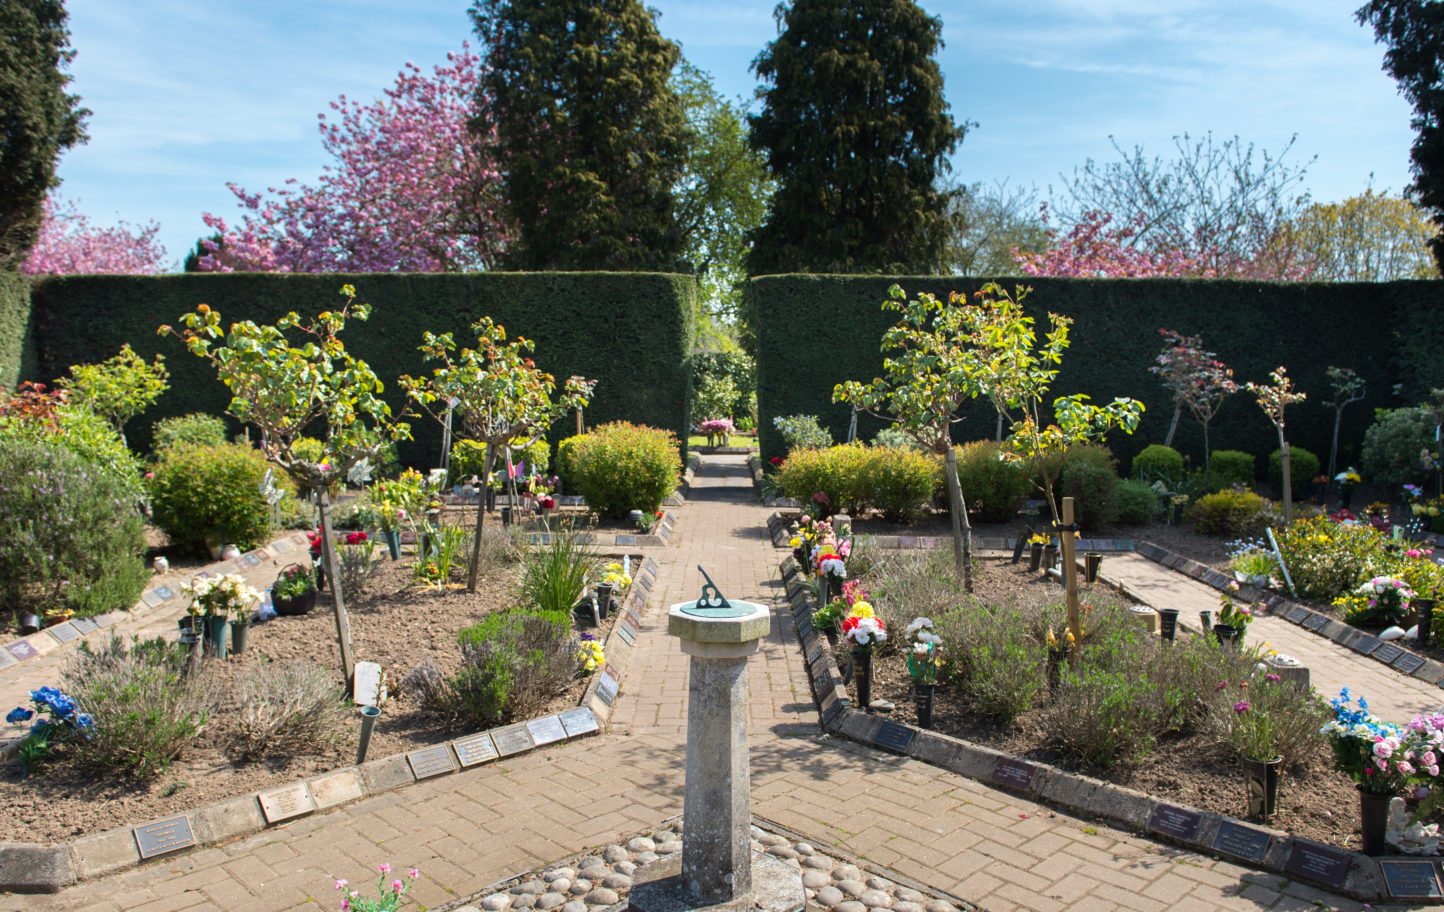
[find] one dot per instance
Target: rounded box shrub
(73, 534)
(1230, 467)
(1158, 462)
(1094, 489)
(1393, 444)
(898, 481)
(202, 493)
(993, 487)
(197, 428)
(1231, 514)
(1303, 469)
(1137, 503)
(835, 472)
(620, 467)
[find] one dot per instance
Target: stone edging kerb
(35, 868)
(1392, 653)
(1338, 870)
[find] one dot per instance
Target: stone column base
(776, 887)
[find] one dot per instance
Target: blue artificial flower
(63, 707)
(19, 714)
(84, 722)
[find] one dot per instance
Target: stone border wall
(34, 868)
(1116, 805)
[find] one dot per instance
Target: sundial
(712, 604)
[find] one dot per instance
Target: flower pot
(216, 630)
(1374, 820)
(214, 548)
(1168, 623)
(239, 632)
(1091, 562)
(923, 696)
(1424, 617)
(29, 623)
(1262, 780)
(506, 516)
(1050, 557)
(1056, 658)
(1228, 635)
(294, 607)
(392, 539)
(1259, 580)
(604, 599)
(862, 665)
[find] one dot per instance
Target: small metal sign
(514, 739)
(626, 633)
(712, 604)
(1411, 879)
(1016, 774)
(103, 620)
(164, 836)
(22, 650)
(1366, 645)
(1316, 622)
(1180, 823)
(1409, 663)
(547, 730)
(1297, 616)
(85, 625)
(6, 659)
(606, 688)
(579, 722)
(433, 761)
(286, 802)
(1241, 841)
(474, 749)
(1317, 862)
(64, 633)
(164, 593)
(1388, 652)
(894, 737)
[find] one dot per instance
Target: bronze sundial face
(712, 604)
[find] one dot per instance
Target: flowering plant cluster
(862, 628)
(1384, 758)
(1387, 598)
(804, 537)
(717, 426)
(399, 502)
(1050, 639)
(922, 655)
(1252, 729)
(293, 582)
(64, 721)
(590, 653)
(830, 615)
(388, 900)
(1231, 614)
(829, 556)
(1251, 558)
(221, 596)
(1038, 538)
(615, 576)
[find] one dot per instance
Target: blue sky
(187, 96)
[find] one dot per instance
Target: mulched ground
(396, 624)
(1317, 802)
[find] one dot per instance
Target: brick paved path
(468, 830)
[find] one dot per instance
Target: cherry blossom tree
(410, 190)
(1096, 248)
(68, 244)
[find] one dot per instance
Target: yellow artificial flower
(861, 610)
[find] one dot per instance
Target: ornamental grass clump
(554, 575)
(288, 710)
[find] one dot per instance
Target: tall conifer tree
(589, 134)
(857, 134)
(38, 119)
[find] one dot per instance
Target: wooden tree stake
(1070, 575)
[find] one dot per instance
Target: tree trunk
(962, 530)
(1334, 447)
(1173, 425)
(333, 572)
(1205, 449)
(488, 463)
(1288, 481)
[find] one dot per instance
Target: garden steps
(469, 830)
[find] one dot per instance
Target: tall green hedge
(815, 331)
(16, 351)
(630, 332)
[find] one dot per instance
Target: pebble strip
(602, 879)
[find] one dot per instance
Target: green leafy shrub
(201, 493)
(287, 710)
(197, 429)
(1004, 666)
(513, 663)
(1231, 514)
(1157, 461)
(993, 487)
(146, 712)
(896, 438)
(1230, 467)
(621, 467)
(1103, 716)
(1093, 454)
(1137, 503)
(898, 481)
(72, 536)
(1093, 488)
(468, 458)
(837, 472)
(1303, 469)
(1327, 559)
(88, 436)
(310, 449)
(1393, 443)
(802, 432)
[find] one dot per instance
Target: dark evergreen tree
(586, 129)
(857, 134)
(38, 120)
(1413, 30)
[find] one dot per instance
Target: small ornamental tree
(1273, 399)
(118, 388)
(1348, 387)
(1198, 380)
(68, 244)
(500, 395)
(284, 388)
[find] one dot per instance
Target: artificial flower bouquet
(923, 649)
(221, 596)
(1384, 758)
(862, 628)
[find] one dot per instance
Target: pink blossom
(384, 868)
(341, 883)
(413, 873)
(396, 886)
(69, 245)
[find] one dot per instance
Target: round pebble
(772, 839)
(575, 905)
(602, 897)
(550, 900)
(853, 888)
(876, 899)
(804, 849)
(904, 905)
(668, 847)
(846, 872)
(617, 882)
(561, 885)
(531, 886)
(907, 895)
(580, 887)
(523, 901)
(641, 844)
(851, 905)
(558, 874)
(645, 858)
(613, 854)
(938, 905)
(829, 896)
(878, 883)
(756, 832)
(625, 868)
(782, 851)
(496, 902)
(815, 880)
(591, 861)
(817, 863)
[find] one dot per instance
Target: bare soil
(1315, 802)
(396, 623)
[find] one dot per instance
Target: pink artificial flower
(845, 548)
